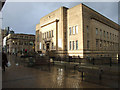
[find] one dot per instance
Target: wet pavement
(18, 75)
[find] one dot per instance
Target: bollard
(100, 74)
(93, 61)
(82, 75)
(110, 62)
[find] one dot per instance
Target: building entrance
(47, 46)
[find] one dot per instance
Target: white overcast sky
(22, 17)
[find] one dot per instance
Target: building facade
(78, 31)
(19, 43)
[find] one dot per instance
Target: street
(18, 75)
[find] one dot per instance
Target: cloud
(23, 17)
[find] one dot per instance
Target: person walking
(4, 61)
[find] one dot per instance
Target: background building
(4, 33)
(78, 31)
(19, 43)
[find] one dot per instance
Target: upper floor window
(96, 31)
(107, 35)
(110, 35)
(104, 33)
(100, 43)
(52, 45)
(96, 43)
(47, 34)
(76, 44)
(70, 30)
(40, 45)
(88, 44)
(73, 30)
(70, 45)
(87, 28)
(43, 46)
(73, 45)
(52, 33)
(76, 28)
(100, 32)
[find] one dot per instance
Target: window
(76, 44)
(88, 44)
(104, 33)
(87, 28)
(73, 45)
(52, 33)
(70, 30)
(70, 45)
(96, 31)
(100, 43)
(100, 32)
(76, 28)
(31, 43)
(96, 43)
(52, 45)
(40, 45)
(73, 30)
(113, 36)
(47, 34)
(107, 35)
(43, 46)
(110, 35)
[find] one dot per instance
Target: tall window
(100, 32)
(96, 31)
(52, 45)
(107, 35)
(43, 46)
(52, 33)
(96, 43)
(40, 45)
(88, 44)
(110, 35)
(100, 43)
(76, 28)
(104, 33)
(70, 31)
(73, 30)
(87, 28)
(70, 45)
(77, 45)
(47, 34)
(73, 45)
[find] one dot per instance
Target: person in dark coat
(4, 61)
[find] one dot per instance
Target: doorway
(47, 45)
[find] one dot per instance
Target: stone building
(19, 43)
(77, 31)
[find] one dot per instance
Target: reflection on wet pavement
(44, 76)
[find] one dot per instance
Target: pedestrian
(4, 61)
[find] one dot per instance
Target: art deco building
(77, 31)
(19, 43)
